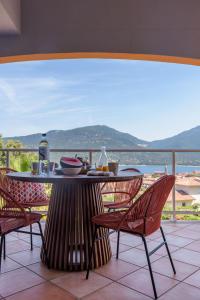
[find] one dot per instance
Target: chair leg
(167, 248)
(91, 252)
(149, 265)
(118, 237)
(1, 249)
(44, 245)
(31, 233)
(31, 237)
(4, 247)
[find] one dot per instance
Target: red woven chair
(13, 217)
(27, 194)
(141, 219)
(123, 192)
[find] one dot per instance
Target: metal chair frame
(3, 242)
(124, 203)
(5, 171)
(142, 234)
(13, 210)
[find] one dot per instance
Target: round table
(68, 230)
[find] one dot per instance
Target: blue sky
(150, 100)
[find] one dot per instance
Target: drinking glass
(35, 168)
(113, 167)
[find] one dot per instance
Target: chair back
(125, 190)
(4, 181)
(10, 208)
(144, 216)
(23, 192)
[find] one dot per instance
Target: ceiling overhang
(129, 29)
(10, 17)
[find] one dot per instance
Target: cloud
(60, 111)
(35, 94)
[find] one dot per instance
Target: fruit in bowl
(71, 171)
(70, 162)
(86, 165)
(67, 171)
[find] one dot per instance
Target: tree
(18, 160)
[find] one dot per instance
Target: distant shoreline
(155, 168)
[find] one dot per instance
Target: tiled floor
(24, 277)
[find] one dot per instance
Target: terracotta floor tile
(116, 291)
(130, 240)
(162, 251)
(36, 240)
(187, 233)
(182, 292)
(122, 247)
(27, 257)
(163, 266)
(178, 224)
(137, 257)
(18, 280)
(140, 281)
(169, 229)
(176, 240)
(194, 227)
(16, 246)
(30, 281)
(44, 272)
(9, 265)
(37, 243)
(187, 256)
(194, 279)
(195, 246)
(41, 292)
(116, 269)
(76, 284)
(10, 237)
(155, 235)
(113, 236)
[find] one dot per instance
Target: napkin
(99, 173)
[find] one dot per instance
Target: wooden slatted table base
(68, 231)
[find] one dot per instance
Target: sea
(149, 169)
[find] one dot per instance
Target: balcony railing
(90, 152)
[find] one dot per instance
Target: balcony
(119, 279)
(141, 30)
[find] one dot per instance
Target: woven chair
(141, 219)
(123, 192)
(14, 217)
(27, 194)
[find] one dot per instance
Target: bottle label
(43, 153)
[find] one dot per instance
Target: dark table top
(73, 179)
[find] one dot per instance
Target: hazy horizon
(149, 100)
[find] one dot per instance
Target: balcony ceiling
(143, 29)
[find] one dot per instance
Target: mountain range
(96, 136)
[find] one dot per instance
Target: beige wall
(150, 27)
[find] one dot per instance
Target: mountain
(93, 137)
(84, 137)
(189, 139)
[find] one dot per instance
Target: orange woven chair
(123, 192)
(27, 194)
(13, 217)
(141, 219)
